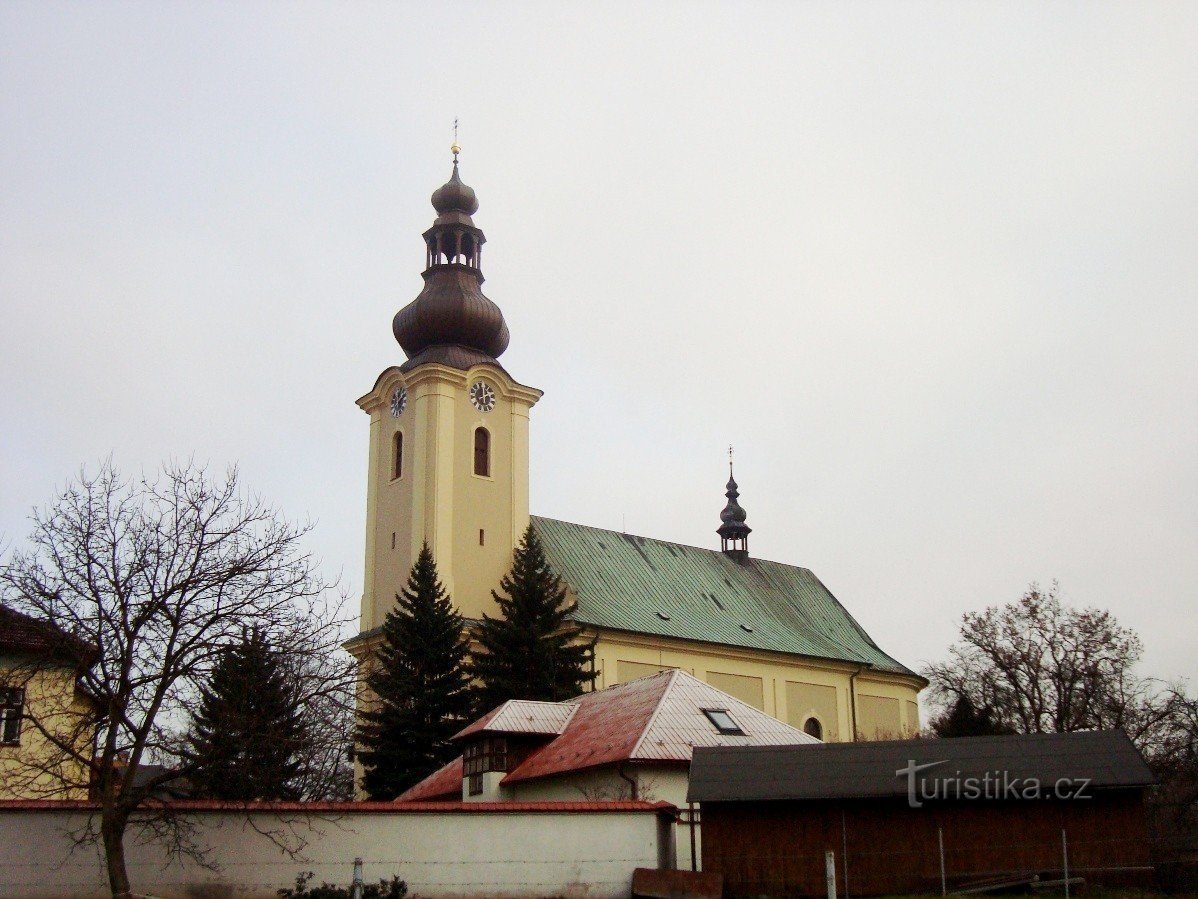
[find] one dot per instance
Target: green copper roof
(648, 586)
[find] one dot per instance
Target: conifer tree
(532, 651)
(247, 733)
(421, 685)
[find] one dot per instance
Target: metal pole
(694, 855)
(844, 852)
(355, 891)
(1065, 859)
(943, 879)
(830, 872)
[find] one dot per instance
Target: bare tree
(1041, 666)
(157, 575)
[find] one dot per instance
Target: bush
(384, 889)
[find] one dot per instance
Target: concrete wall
(440, 849)
(655, 783)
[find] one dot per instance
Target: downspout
(853, 698)
(631, 780)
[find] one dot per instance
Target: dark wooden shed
(923, 815)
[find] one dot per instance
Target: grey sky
(931, 267)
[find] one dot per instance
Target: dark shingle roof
(1107, 759)
(21, 633)
(649, 586)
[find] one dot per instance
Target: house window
(490, 754)
(723, 722)
(812, 727)
(476, 784)
(482, 452)
(397, 455)
(12, 706)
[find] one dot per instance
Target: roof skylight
(723, 722)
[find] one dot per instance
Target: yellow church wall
(805, 700)
(35, 768)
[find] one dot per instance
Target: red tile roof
(25, 634)
(444, 783)
(604, 730)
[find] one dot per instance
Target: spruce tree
(532, 651)
(421, 686)
(247, 733)
(963, 719)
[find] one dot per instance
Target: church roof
(629, 583)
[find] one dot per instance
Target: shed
(923, 815)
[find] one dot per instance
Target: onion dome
(451, 321)
(734, 533)
(454, 196)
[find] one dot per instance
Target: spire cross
(454, 148)
(729, 459)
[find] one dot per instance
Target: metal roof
(1105, 759)
(645, 586)
(522, 716)
(657, 718)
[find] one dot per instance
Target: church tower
(448, 431)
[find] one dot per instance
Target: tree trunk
(112, 830)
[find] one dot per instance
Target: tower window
(812, 728)
(482, 537)
(482, 452)
(397, 455)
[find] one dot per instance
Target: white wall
(655, 783)
(444, 853)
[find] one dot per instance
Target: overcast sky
(931, 267)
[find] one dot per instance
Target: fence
(936, 866)
(439, 849)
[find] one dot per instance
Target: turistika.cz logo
(991, 785)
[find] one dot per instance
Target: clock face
(399, 401)
(482, 397)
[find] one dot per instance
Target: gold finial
(454, 148)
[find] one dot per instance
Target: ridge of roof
(671, 680)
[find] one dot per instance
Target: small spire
(734, 533)
(454, 148)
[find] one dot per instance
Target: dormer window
(724, 723)
(489, 754)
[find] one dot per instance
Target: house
(449, 445)
(630, 741)
(917, 816)
(43, 707)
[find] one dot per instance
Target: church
(449, 464)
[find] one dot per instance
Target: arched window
(397, 455)
(812, 727)
(482, 452)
